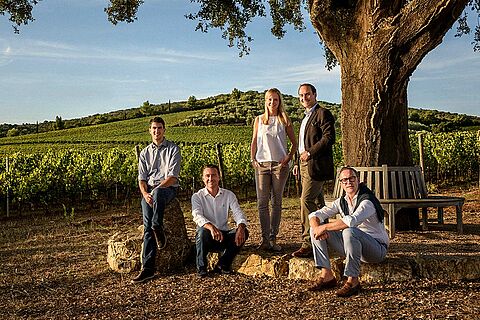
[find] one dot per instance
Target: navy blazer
(318, 140)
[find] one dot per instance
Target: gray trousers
(310, 200)
(270, 179)
(352, 243)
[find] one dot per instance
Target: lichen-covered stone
(392, 269)
(255, 264)
(125, 248)
(304, 268)
(448, 267)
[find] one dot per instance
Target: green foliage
(13, 132)
(70, 174)
(56, 176)
(20, 11)
(243, 107)
(59, 123)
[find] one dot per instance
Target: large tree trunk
(379, 43)
(374, 112)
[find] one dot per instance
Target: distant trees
(59, 123)
(146, 108)
(192, 102)
(13, 132)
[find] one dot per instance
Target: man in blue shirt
(158, 171)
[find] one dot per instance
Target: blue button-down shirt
(157, 163)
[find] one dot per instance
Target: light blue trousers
(353, 244)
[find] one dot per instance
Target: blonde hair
(282, 115)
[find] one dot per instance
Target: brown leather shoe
(303, 253)
(321, 284)
(348, 290)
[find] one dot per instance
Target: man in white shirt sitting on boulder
(210, 207)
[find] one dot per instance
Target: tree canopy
(377, 43)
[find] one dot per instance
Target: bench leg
(458, 210)
(440, 215)
(424, 219)
(391, 221)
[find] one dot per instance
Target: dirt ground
(53, 267)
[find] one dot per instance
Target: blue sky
(72, 62)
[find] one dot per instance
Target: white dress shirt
(206, 208)
(301, 134)
(364, 218)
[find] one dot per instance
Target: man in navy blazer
(316, 139)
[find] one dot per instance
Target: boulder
(251, 263)
(390, 270)
(304, 268)
(125, 248)
(254, 264)
(448, 267)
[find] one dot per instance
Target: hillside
(235, 108)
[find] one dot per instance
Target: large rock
(304, 268)
(125, 248)
(254, 264)
(251, 263)
(392, 269)
(448, 267)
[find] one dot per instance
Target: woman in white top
(270, 158)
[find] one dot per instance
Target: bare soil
(52, 267)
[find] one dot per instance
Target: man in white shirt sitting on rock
(210, 207)
(359, 234)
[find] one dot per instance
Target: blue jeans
(352, 243)
(205, 244)
(153, 218)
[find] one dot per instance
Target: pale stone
(253, 264)
(256, 265)
(392, 269)
(304, 268)
(125, 249)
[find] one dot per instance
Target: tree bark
(379, 43)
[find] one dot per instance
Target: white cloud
(294, 75)
(56, 50)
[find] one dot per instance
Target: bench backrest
(390, 182)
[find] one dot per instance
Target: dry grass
(55, 268)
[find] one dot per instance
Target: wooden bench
(403, 187)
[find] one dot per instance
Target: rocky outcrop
(448, 267)
(125, 248)
(392, 269)
(123, 251)
(124, 255)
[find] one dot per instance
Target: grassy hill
(225, 118)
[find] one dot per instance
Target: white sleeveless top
(271, 140)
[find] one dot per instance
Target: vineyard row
(67, 175)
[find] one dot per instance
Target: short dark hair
(211, 166)
(348, 168)
(308, 85)
(157, 120)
